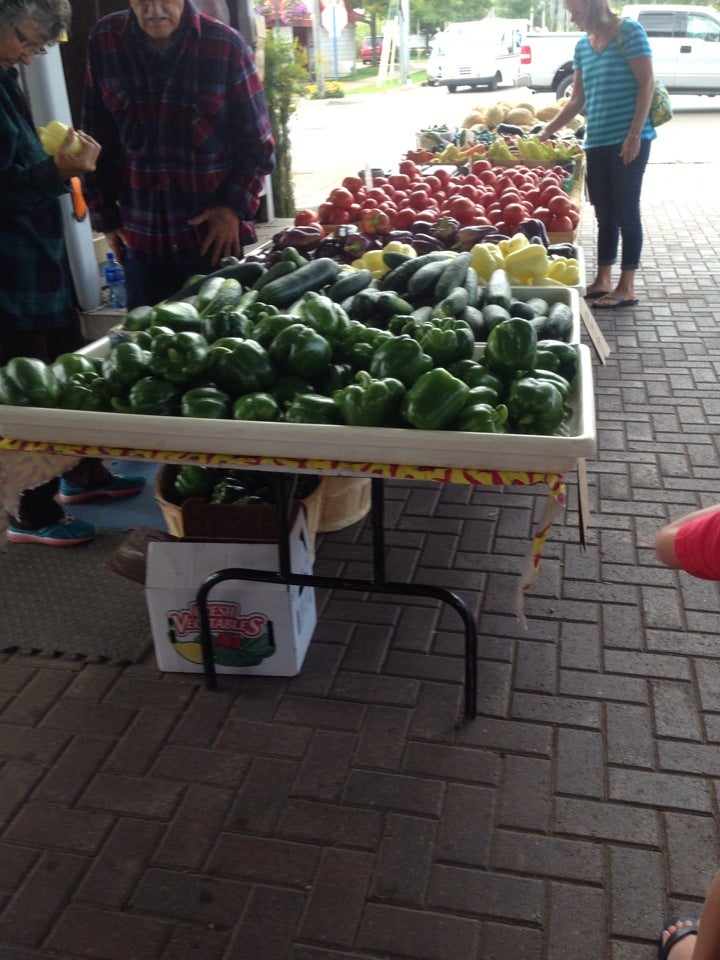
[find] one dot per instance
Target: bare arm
(643, 70)
(571, 109)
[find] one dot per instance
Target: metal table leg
(377, 584)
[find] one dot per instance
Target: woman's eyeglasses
(36, 49)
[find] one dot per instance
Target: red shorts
(697, 546)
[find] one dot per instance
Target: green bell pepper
(371, 403)
(194, 481)
(400, 357)
(230, 322)
(126, 363)
(565, 354)
(152, 396)
(476, 374)
(68, 364)
(447, 340)
(511, 346)
(10, 396)
(322, 314)
(256, 406)
(85, 391)
(434, 400)
(534, 406)
(233, 490)
(482, 418)
(312, 408)
(243, 368)
(139, 318)
(208, 402)
(267, 326)
(337, 376)
(179, 315)
(290, 386)
(301, 350)
(557, 380)
(180, 357)
(32, 382)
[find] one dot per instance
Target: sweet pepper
(511, 346)
(534, 406)
(85, 391)
(312, 408)
(322, 314)
(434, 400)
(256, 406)
(180, 357)
(370, 402)
(124, 365)
(447, 340)
(402, 358)
(151, 396)
(244, 367)
(301, 350)
(208, 403)
(482, 418)
(67, 365)
(31, 382)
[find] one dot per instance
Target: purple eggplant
(467, 237)
(302, 238)
(446, 229)
(402, 236)
(534, 228)
(562, 250)
(422, 226)
(328, 247)
(426, 243)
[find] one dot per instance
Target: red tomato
(559, 225)
(379, 181)
(462, 208)
(514, 213)
(341, 197)
(304, 218)
(324, 211)
(489, 177)
(434, 183)
(401, 181)
(410, 168)
(405, 218)
(560, 205)
(468, 190)
(354, 211)
(419, 199)
(443, 175)
(377, 193)
(542, 214)
(338, 215)
(480, 166)
(353, 184)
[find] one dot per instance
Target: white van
(480, 53)
(685, 43)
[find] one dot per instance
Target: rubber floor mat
(62, 602)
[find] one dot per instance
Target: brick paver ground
(339, 815)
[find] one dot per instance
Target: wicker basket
(195, 518)
(344, 501)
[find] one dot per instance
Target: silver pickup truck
(685, 41)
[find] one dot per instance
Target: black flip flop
(596, 294)
(665, 948)
(614, 303)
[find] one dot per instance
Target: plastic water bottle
(115, 280)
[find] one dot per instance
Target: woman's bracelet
(635, 136)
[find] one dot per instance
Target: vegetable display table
(22, 461)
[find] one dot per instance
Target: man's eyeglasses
(36, 49)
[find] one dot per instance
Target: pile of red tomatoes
(486, 194)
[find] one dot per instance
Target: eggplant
(402, 236)
(562, 250)
(534, 228)
(302, 238)
(426, 243)
(509, 129)
(446, 229)
(422, 226)
(328, 247)
(467, 237)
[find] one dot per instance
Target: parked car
(366, 50)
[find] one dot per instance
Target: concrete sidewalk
(339, 815)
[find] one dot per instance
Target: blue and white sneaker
(67, 532)
(116, 486)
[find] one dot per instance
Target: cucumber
(227, 295)
(349, 282)
(453, 275)
(518, 308)
(539, 306)
(493, 314)
(393, 258)
(422, 282)
(280, 269)
(453, 304)
(498, 290)
(313, 275)
(245, 271)
(559, 323)
(475, 320)
(207, 292)
(399, 278)
(472, 285)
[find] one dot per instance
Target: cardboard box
(258, 628)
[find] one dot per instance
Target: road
(334, 138)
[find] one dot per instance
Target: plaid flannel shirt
(35, 285)
(182, 130)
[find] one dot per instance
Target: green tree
(285, 71)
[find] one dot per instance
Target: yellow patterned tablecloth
(25, 464)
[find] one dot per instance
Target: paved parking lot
(340, 815)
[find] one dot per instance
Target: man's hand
(115, 240)
(223, 236)
(70, 165)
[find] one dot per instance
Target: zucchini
(559, 323)
(349, 282)
(313, 275)
(498, 290)
(398, 278)
(453, 275)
